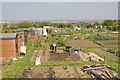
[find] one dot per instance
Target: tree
(69, 25)
(61, 25)
(41, 24)
(108, 22)
(115, 26)
(25, 25)
(78, 25)
(111, 25)
(89, 25)
(96, 24)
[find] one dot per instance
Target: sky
(60, 0)
(58, 10)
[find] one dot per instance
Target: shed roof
(23, 29)
(8, 35)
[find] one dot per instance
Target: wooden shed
(10, 45)
(25, 34)
(36, 33)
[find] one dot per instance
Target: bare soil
(109, 43)
(82, 43)
(46, 55)
(53, 72)
(62, 72)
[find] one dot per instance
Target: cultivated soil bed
(66, 72)
(60, 55)
(109, 43)
(82, 43)
(53, 72)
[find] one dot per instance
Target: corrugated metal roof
(8, 35)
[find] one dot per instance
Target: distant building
(36, 33)
(47, 27)
(76, 28)
(10, 45)
(44, 32)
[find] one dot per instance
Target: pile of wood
(101, 72)
(84, 56)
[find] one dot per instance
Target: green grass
(42, 48)
(110, 59)
(12, 70)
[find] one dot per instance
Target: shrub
(85, 31)
(111, 51)
(118, 52)
(61, 41)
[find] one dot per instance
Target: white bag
(23, 49)
(38, 61)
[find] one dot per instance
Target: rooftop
(8, 35)
(23, 29)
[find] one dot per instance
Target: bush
(111, 51)
(118, 52)
(85, 31)
(61, 41)
(37, 43)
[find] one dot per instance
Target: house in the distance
(10, 45)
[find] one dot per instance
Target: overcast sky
(59, 10)
(60, 0)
